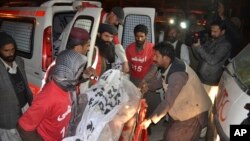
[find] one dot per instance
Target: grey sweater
(10, 109)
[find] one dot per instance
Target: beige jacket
(192, 99)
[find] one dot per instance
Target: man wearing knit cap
(105, 48)
(104, 53)
(48, 117)
(14, 90)
(116, 17)
(106, 33)
(107, 28)
(79, 41)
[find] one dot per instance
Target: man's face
(113, 19)
(106, 46)
(107, 37)
(7, 52)
(172, 35)
(85, 48)
(161, 61)
(216, 32)
(140, 38)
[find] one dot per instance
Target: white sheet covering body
(112, 101)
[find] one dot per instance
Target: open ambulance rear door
(89, 20)
(133, 17)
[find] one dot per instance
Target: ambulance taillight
(47, 57)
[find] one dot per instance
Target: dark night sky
(141, 2)
(238, 8)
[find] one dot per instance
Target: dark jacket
(212, 56)
(234, 36)
(10, 110)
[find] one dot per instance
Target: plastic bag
(112, 101)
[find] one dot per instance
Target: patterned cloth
(68, 68)
(112, 101)
(9, 135)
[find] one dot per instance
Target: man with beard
(186, 102)
(14, 90)
(79, 41)
(212, 55)
(104, 55)
(115, 17)
(181, 50)
(140, 55)
(140, 58)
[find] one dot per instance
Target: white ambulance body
(36, 28)
(232, 104)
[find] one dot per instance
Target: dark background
(236, 8)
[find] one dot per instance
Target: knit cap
(6, 39)
(118, 11)
(79, 34)
(107, 28)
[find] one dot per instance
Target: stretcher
(132, 131)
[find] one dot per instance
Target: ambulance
(232, 103)
(36, 28)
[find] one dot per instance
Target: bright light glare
(213, 92)
(217, 138)
(183, 25)
(171, 21)
(127, 106)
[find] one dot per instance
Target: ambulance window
(22, 32)
(84, 22)
(129, 23)
(60, 21)
(242, 67)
